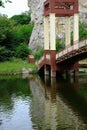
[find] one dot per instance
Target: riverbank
(16, 66)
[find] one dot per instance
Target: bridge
(67, 59)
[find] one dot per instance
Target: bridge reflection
(56, 106)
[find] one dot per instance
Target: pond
(32, 103)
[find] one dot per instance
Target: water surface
(49, 104)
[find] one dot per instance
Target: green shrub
(82, 31)
(22, 51)
(5, 54)
(39, 52)
(59, 45)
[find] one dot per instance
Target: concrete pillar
(76, 28)
(52, 42)
(68, 32)
(46, 70)
(52, 32)
(53, 74)
(46, 33)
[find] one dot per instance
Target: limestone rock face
(37, 37)
(83, 10)
(36, 8)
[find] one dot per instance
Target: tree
(21, 34)
(22, 51)
(12, 35)
(6, 26)
(23, 18)
(2, 2)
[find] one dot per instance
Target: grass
(15, 66)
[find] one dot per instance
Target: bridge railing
(48, 56)
(71, 48)
(67, 50)
(45, 57)
(41, 59)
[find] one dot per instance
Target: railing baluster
(76, 46)
(71, 48)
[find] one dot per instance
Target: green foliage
(59, 45)
(22, 51)
(6, 26)
(82, 31)
(2, 2)
(11, 36)
(23, 18)
(15, 65)
(21, 34)
(39, 53)
(5, 54)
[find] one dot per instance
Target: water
(49, 104)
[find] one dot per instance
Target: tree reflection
(10, 89)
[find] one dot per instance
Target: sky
(16, 7)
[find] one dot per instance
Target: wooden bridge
(67, 59)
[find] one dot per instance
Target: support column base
(47, 70)
(53, 74)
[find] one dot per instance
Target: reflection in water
(15, 99)
(58, 106)
(36, 104)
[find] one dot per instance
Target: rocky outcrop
(83, 10)
(36, 8)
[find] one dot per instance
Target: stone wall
(36, 8)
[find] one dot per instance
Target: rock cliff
(36, 8)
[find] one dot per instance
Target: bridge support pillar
(52, 43)
(53, 73)
(52, 32)
(53, 63)
(76, 28)
(46, 70)
(46, 33)
(68, 32)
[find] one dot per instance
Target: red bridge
(67, 59)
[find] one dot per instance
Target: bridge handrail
(76, 46)
(44, 57)
(41, 59)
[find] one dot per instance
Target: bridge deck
(72, 51)
(70, 54)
